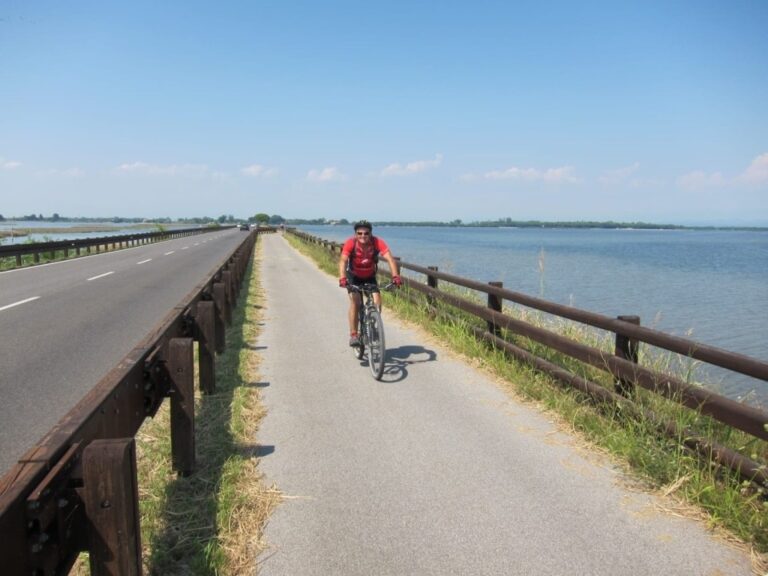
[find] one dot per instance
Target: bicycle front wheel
(376, 347)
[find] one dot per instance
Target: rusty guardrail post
(239, 273)
(627, 349)
(206, 338)
(181, 368)
(222, 315)
(226, 275)
(110, 492)
(494, 303)
(234, 269)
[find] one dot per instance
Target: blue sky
(653, 111)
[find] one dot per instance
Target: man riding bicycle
(357, 265)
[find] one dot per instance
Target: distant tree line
(508, 222)
(55, 217)
(316, 221)
(262, 218)
(504, 222)
(583, 224)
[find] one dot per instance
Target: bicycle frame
(370, 328)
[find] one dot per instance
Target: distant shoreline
(23, 231)
(542, 224)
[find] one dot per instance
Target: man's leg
(354, 302)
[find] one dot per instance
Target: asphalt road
(434, 470)
(64, 325)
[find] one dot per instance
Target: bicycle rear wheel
(376, 347)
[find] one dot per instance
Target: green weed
(662, 462)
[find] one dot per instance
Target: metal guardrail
(76, 490)
(622, 364)
(36, 249)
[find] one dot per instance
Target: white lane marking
(100, 276)
(19, 303)
(169, 253)
(145, 261)
(185, 248)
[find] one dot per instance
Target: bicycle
(370, 329)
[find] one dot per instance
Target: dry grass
(212, 521)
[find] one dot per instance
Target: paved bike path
(434, 470)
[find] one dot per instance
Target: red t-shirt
(362, 259)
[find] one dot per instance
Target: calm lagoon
(73, 230)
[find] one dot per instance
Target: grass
(662, 463)
(212, 521)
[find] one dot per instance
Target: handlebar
(369, 287)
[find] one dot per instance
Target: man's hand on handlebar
(370, 287)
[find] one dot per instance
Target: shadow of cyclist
(398, 359)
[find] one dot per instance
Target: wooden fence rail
(76, 490)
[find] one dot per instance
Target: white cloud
(330, 174)
(412, 167)
(9, 164)
(756, 174)
(143, 168)
(757, 171)
(619, 175)
(66, 173)
(697, 179)
(257, 170)
(564, 174)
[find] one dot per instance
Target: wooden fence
(622, 363)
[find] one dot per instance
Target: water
(710, 286)
(108, 229)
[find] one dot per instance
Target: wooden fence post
(432, 283)
(494, 303)
(206, 338)
(627, 349)
(110, 492)
(181, 368)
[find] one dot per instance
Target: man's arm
(392, 264)
(343, 265)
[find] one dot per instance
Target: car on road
(245, 227)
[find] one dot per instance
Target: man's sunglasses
(363, 233)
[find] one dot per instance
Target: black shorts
(357, 281)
